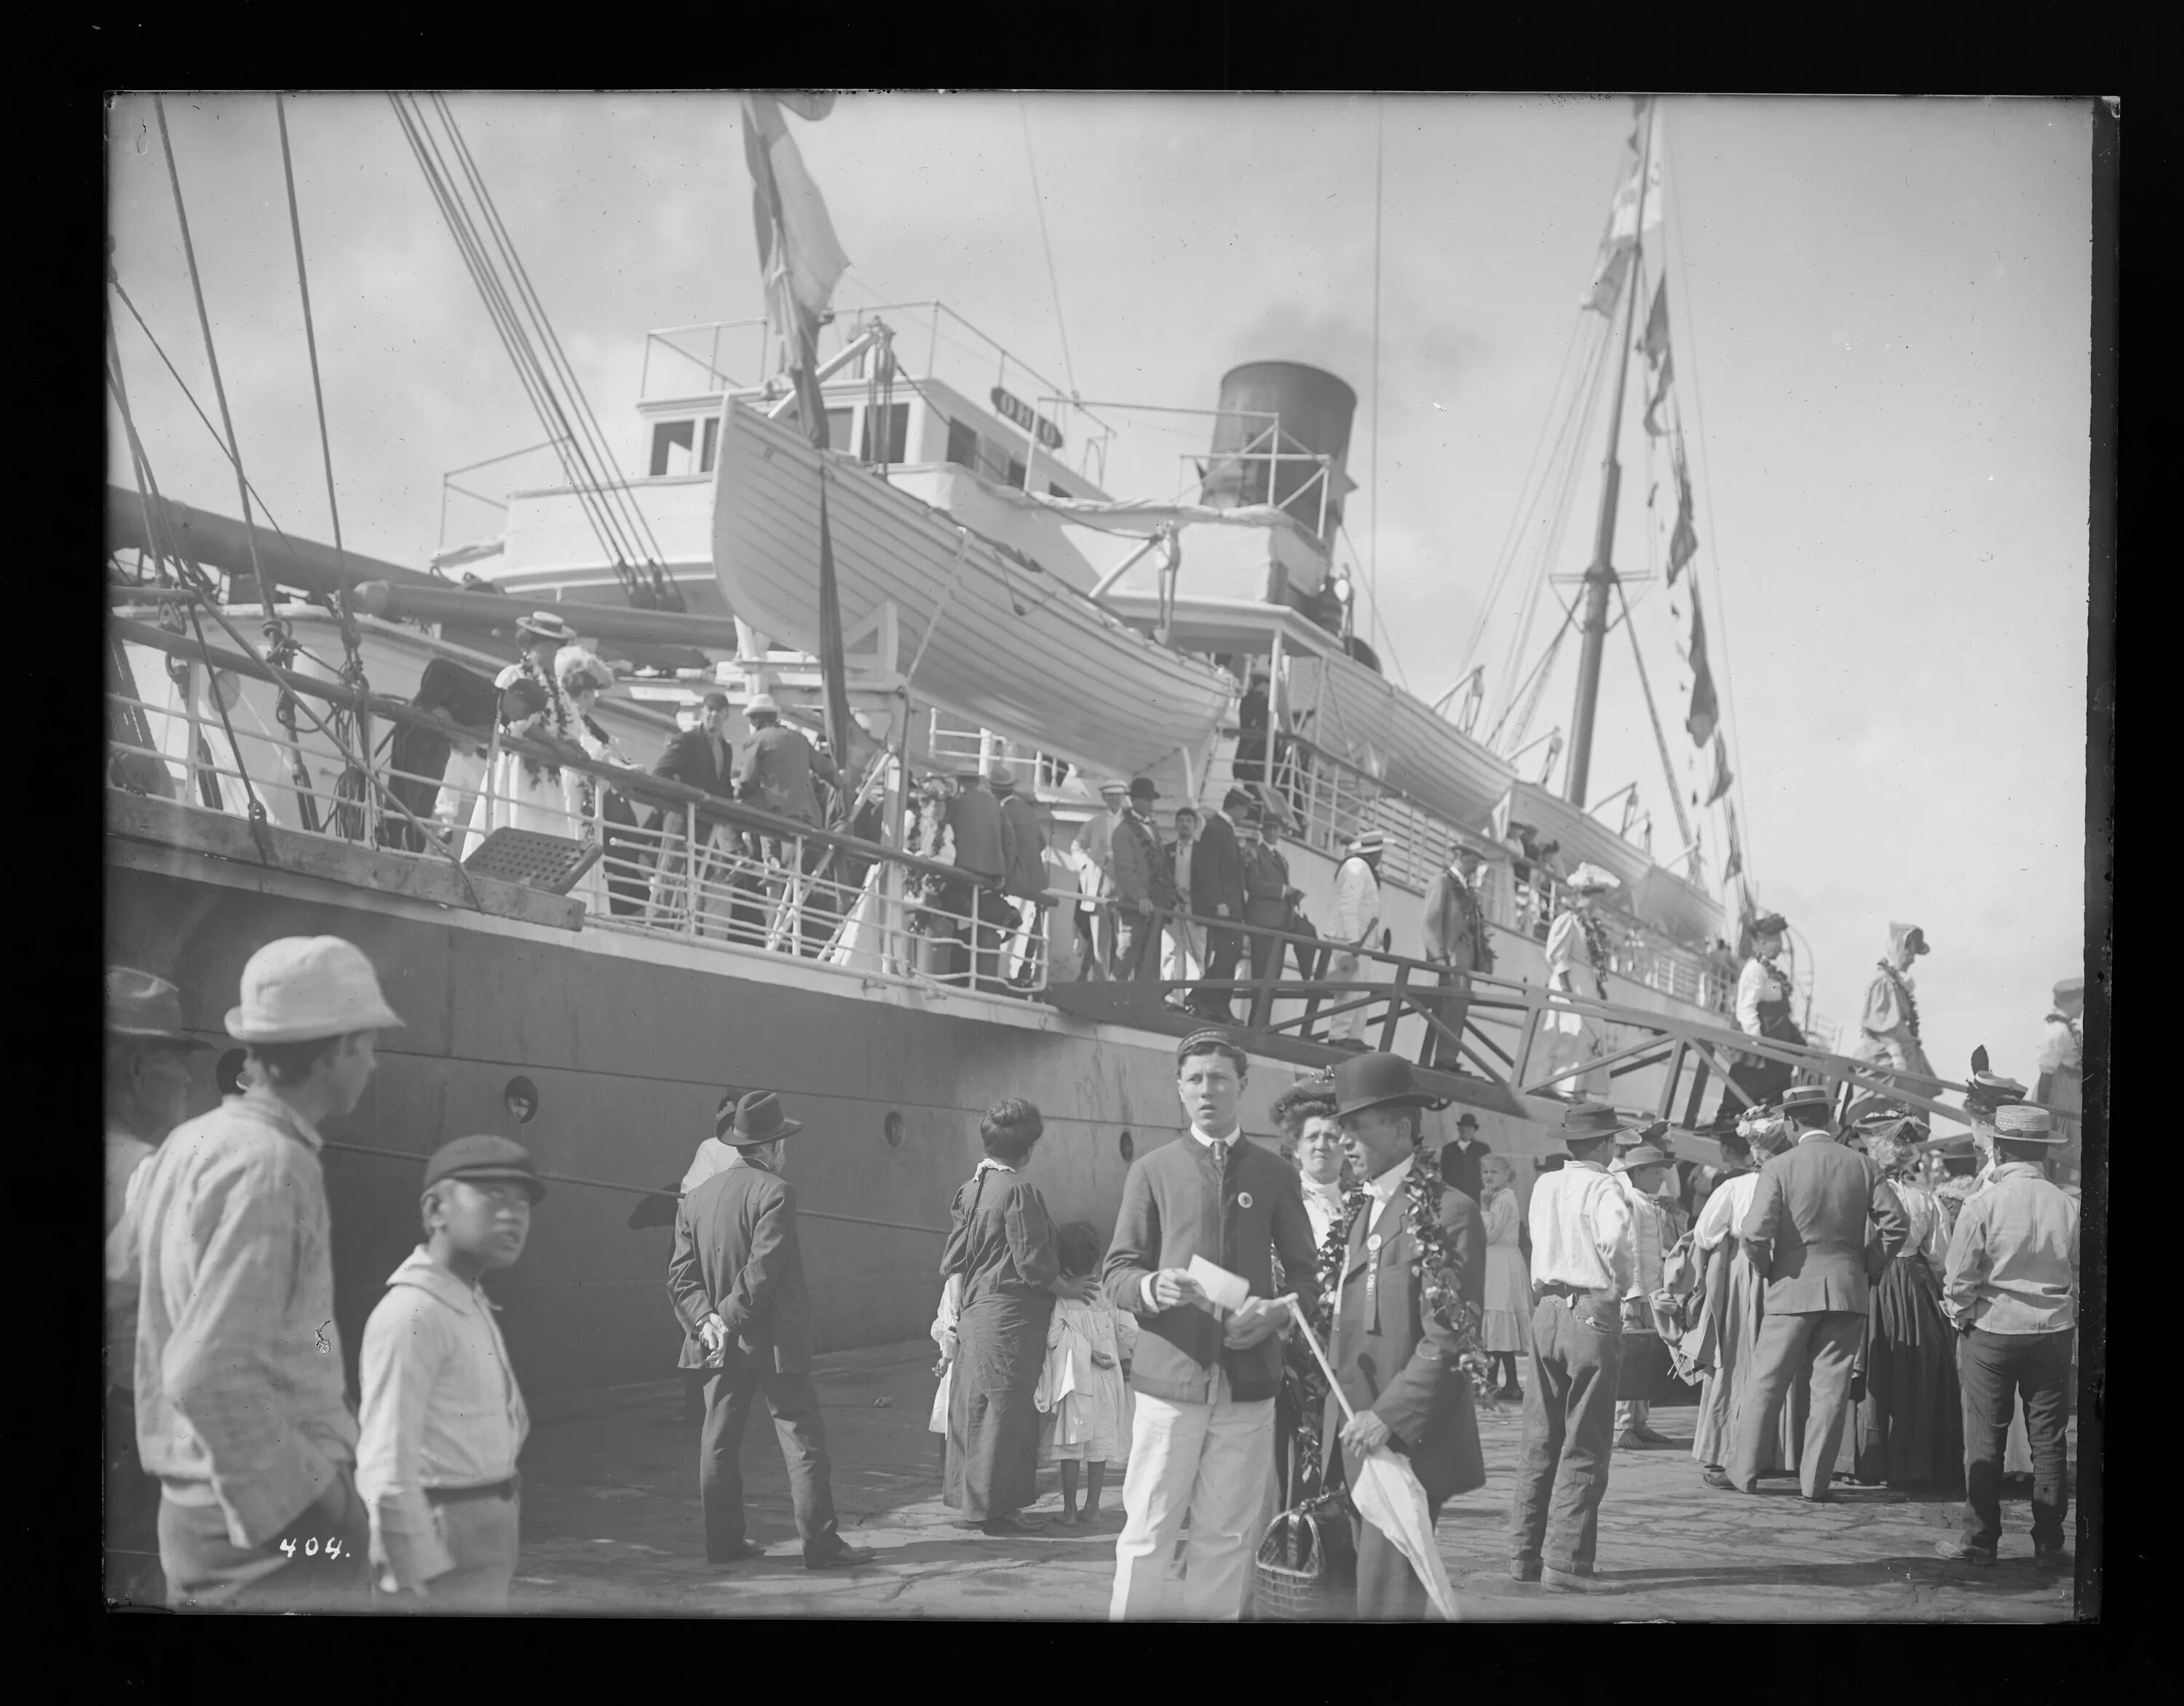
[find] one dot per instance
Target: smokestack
(1251, 465)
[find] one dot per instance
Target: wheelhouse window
(962, 445)
(712, 445)
(669, 436)
(894, 444)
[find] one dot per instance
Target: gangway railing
(1400, 1005)
(1326, 801)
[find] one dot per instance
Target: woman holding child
(1002, 1248)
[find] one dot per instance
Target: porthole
(228, 1071)
(891, 1128)
(1128, 1147)
(521, 1097)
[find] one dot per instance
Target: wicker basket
(1306, 1570)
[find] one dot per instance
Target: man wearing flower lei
(1408, 1294)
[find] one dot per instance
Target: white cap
(304, 988)
(759, 702)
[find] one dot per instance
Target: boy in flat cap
(443, 1419)
(2011, 1290)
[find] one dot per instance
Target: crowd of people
(1848, 1315)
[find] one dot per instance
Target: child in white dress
(1083, 1391)
(944, 1335)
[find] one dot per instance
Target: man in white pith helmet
(241, 1410)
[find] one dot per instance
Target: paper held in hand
(1225, 1291)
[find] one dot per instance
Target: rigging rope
(1053, 282)
(1372, 533)
(618, 489)
(212, 355)
(617, 523)
(1653, 714)
(1505, 555)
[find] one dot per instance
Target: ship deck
(611, 1526)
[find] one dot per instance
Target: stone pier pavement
(611, 1527)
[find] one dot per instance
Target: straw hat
(305, 988)
(759, 704)
(545, 625)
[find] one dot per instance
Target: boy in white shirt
(443, 1419)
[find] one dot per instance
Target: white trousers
(1213, 1462)
(1347, 968)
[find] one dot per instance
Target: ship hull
(628, 1043)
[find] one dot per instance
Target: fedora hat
(1001, 778)
(1807, 1101)
(147, 1007)
(1376, 1080)
(1587, 1122)
(305, 988)
(759, 1120)
(1142, 788)
(545, 625)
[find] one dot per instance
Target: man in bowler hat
(1395, 1357)
(736, 1280)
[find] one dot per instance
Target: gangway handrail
(1419, 982)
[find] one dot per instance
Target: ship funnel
(1279, 419)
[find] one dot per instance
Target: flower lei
(1434, 1268)
(1300, 1369)
(1596, 943)
(1904, 994)
(557, 707)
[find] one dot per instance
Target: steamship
(998, 604)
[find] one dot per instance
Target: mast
(1600, 576)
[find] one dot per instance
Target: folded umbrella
(1385, 1489)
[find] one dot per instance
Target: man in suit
(1807, 1230)
(1024, 879)
(1394, 1355)
(736, 1281)
(1145, 886)
(1202, 1432)
(1455, 932)
(1268, 897)
(985, 839)
(1460, 1157)
(1217, 892)
(779, 766)
(699, 757)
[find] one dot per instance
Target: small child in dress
(944, 1335)
(1084, 1391)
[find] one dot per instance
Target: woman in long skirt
(1909, 1426)
(1002, 1244)
(1734, 1291)
(1504, 1330)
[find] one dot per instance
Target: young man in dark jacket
(1202, 1439)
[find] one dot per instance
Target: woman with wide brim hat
(524, 793)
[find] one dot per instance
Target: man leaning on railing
(699, 757)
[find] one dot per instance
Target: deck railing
(690, 866)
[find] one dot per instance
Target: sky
(1878, 310)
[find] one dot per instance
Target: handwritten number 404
(310, 1547)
